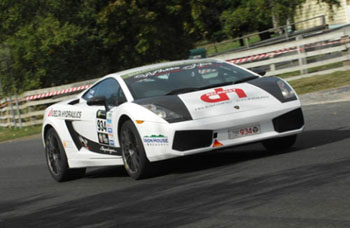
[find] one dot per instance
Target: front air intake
(194, 139)
(289, 121)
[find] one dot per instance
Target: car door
(96, 133)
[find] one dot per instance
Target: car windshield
(184, 78)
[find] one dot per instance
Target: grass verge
(14, 133)
(311, 70)
(321, 82)
(226, 45)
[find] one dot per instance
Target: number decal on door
(101, 126)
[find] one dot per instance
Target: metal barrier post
(14, 123)
(18, 111)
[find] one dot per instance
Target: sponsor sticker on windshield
(166, 70)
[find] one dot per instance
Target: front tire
(56, 159)
(279, 144)
(135, 161)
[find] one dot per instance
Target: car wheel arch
(45, 131)
(121, 121)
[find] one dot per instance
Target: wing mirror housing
(259, 71)
(99, 100)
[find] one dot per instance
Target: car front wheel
(133, 152)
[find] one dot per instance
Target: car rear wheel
(279, 144)
(133, 152)
(57, 160)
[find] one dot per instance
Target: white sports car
(157, 112)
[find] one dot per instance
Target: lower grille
(290, 121)
(194, 139)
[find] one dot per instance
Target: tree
(258, 15)
(206, 17)
(52, 42)
(145, 31)
(248, 16)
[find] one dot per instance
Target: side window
(108, 88)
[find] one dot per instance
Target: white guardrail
(300, 55)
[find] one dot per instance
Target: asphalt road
(307, 186)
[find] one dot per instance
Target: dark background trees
(51, 42)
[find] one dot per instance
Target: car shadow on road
(231, 156)
(227, 157)
(102, 172)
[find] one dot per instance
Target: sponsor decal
(170, 69)
(83, 141)
(252, 98)
(221, 95)
(65, 114)
(244, 99)
(111, 142)
(101, 114)
(109, 118)
(108, 150)
(110, 130)
(155, 140)
(212, 105)
(217, 143)
(103, 138)
(50, 112)
(158, 71)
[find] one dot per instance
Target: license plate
(244, 131)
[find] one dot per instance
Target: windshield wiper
(182, 90)
(246, 79)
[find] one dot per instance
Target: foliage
(51, 42)
(257, 15)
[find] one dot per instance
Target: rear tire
(279, 144)
(135, 161)
(56, 159)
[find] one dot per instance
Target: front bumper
(196, 136)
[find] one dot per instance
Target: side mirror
(99, 100)
(259, 71)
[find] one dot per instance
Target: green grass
(14, 133)
(289, 74)
(321, 82)
(325, 67)
(311, 70)
(226, 45)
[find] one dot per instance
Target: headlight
(287, 92)
(163, 112)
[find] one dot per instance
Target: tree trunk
(241, 41)
(275, 19)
